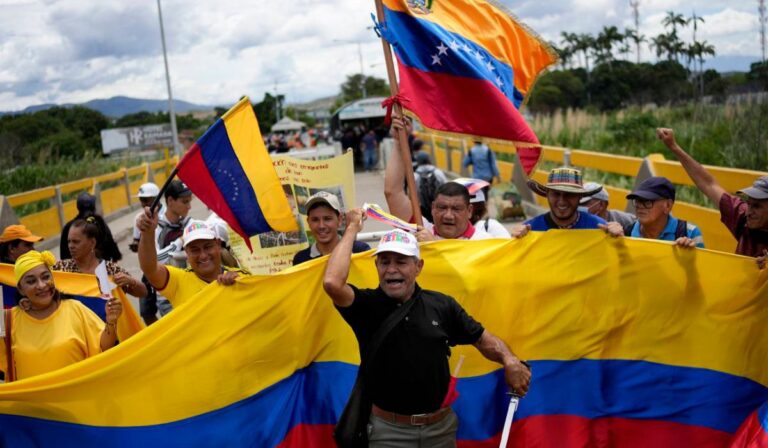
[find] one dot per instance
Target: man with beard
(563, 190)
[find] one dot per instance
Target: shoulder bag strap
(389, 323)
(10, 372)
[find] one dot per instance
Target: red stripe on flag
(466, 106)
(309, 436)
(193, 171)
(566, 431)
(751, 434)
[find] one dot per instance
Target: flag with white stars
(467, 66)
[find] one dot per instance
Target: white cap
(148, 190)
(477, 197)
(198, 230)
(601, 195)
(326, 198)
(399, 242)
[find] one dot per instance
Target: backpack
(680, 231)
(428, 185)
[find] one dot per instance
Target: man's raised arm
(337, 269)
(156, 273)
(700, 176)
(394, 181)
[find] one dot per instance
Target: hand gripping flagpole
(402, 137)
(514, 400)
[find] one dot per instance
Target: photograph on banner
(274, 251)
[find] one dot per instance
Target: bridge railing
(115, 193)
(448, 152)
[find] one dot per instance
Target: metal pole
(362, 74)
(171, 112)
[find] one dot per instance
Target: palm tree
(585, 44)
(699, 50)
(570, 43)
(636, 37)
(673, 20)
(661, 45)
(695, 20)
(605, 42)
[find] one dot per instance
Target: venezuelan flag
(82, 287)
(634, 343)
(229, 169)
(466, 66)
(753, 433)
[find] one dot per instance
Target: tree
(675, 46)
(636, 37)
(606, 40)
(352, 88)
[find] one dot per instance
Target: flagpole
(402, 137)
(156, 202)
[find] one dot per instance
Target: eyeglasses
(644, 203)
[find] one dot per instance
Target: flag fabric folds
(466, 66)
(229, 169)
(632, 343)
(83, 287)
(753, 433)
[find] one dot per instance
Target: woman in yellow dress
(49, 330)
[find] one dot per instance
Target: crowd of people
(396, 324)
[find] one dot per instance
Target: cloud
(73, 51)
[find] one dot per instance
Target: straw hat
(567, 180)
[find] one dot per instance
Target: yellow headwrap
(31, 260)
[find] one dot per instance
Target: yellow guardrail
(447, 148)
(114, 191)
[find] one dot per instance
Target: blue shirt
(483, 162)
(544, 222)
(668, 234)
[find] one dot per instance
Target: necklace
(569, 226)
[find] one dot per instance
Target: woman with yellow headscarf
(48, 330)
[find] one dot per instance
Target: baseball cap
(758, 190)
(148, 190)
(477, 197)
(601, 195)
(177, 189)
(18, 232)
(399, 242)
(198, 230)
(323, 197)
(653, 188)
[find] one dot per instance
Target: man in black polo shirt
(410, 373)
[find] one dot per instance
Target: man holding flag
(409, 374)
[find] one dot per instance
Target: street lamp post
(360, 59)
(171, 112)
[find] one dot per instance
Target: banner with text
(274, 251)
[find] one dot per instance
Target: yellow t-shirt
(71, 334)
(184, 283)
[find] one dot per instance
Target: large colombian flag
(230, 170)
(466, 66)
(633, 343)
(82, 287)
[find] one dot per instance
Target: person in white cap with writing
(407, 376)
(203, 249)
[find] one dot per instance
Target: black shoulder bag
(352, 428)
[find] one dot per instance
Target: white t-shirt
(494, 228)
(472, 232)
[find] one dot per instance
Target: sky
(73, 51)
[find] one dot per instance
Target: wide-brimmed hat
(758, 190)
(567, 180)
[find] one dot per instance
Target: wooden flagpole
(402, 137)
